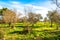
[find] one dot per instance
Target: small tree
(33, 18)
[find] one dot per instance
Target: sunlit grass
(40, 29)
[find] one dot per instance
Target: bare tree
(31, 18)
(56, 2)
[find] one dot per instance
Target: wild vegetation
(30, 26)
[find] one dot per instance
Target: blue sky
(37, 6)
(25, 1)
(34, 2)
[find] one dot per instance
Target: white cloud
(0, 6)
(46, 6)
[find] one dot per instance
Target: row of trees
(10, 17)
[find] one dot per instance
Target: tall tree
(51, 16)
(54, 17)
(33, 18)
(9, 16)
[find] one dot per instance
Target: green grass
(40, 29)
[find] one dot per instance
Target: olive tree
(9, 16)
(54, 17)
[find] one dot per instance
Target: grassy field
(40, 31)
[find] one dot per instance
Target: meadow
(40, 31)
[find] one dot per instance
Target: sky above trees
(36, 6)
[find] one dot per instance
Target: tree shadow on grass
(19, 32)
